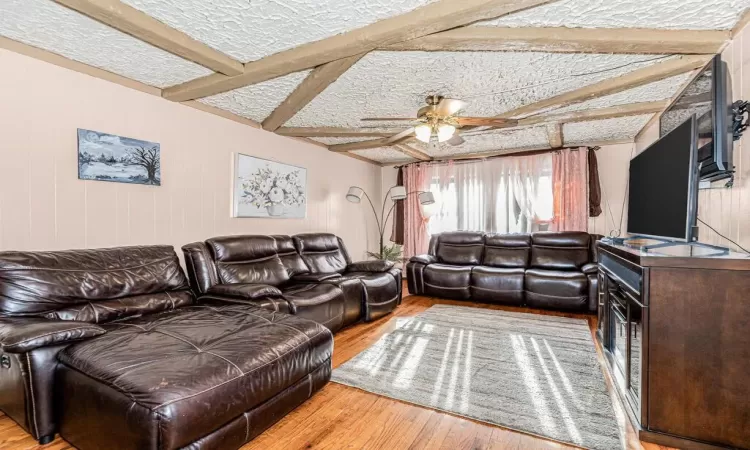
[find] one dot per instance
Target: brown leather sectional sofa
(544, 270)
(111, 349)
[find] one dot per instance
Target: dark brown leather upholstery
(109, 345)
(546, 269)
(313, 271)
(51, 299)
(200, 378)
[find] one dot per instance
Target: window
(505, 195)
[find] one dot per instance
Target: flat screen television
(663, 195)
(709, 97)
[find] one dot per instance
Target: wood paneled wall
(44, 206)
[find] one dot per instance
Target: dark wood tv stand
(676, 334)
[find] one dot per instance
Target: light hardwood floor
(341, 417)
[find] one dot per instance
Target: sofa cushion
(324, 303)
(556, 289)
(41, 282)
(178, 376)
(460, 248)
(322, 252)
(507, 250)
(560, 250)
(497, 285)
(289, 256)
(442, 280)
(248, 259)
(119, 308)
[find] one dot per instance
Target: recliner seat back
(247, 259)
(461, 248)
(93, 286)
(568, 250)
(322, 252)
(507, 250)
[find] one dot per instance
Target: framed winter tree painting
(264, 188)
(106, 157)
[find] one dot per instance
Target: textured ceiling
(660, 90)
(47, 25)
(257, 101)
(251, 29)
(665, 14)
(384, 155)
(622, 128)
(382, 83)
(396, 83)
(530, 137)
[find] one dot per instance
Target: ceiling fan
(438, 121)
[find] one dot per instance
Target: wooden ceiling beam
(412, 152)
(363, 145)
(613, 112)
(315, 83)
(144, 27)
(569, 40)
(336, 132)
(491, 154)
(636, 78)
(432, 18)
(555, 135)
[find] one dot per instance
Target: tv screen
(709, 98)
(663, 186)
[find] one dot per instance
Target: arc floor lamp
(396, 194)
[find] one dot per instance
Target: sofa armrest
(23, 334)
(314, 277)
(376, 265)
(423, 259)
(590, 268)
(243, 291)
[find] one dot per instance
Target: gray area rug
(531, 373)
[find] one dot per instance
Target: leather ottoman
(200, 377)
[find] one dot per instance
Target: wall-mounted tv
(709, 97)
(663, 197)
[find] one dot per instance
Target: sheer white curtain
(502, 195)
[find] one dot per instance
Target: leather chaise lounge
(554, 270)
(110, 348)
(308, 275)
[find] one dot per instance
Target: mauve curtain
(570, 186)
(416, 238)
(595, 188)
(397, 234)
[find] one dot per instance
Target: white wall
(613, 179)
(44, 206)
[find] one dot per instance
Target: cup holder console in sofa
(544, 270)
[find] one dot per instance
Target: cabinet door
(602, 315)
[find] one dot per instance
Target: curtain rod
(471, 160)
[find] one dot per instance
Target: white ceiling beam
(555, 135)
(315, 83)
(412, 152)
(336, 132)
(144, 27)
(569, 40)
(636, 78)
(435, 17)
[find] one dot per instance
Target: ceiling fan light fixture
(445, 132)
(423, 132)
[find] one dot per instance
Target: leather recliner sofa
(109, 348)
(554, 270)
(309, 275)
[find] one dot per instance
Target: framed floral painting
(264, 188)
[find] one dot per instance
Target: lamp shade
(398, 193)
(355, 194)
(426, 198)
(445, 132)
(423, 132)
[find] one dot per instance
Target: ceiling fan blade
(456, 140)
(449, 107)
(486, 122)
(369, 119)
(399, 136)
